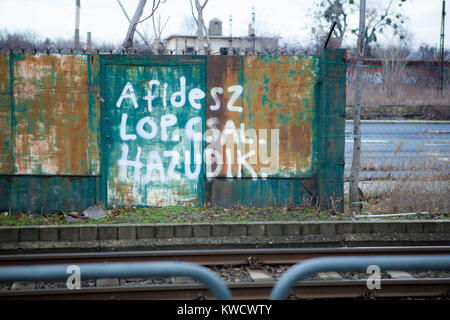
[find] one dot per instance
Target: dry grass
(407, 196)
(393, 85)
(400, 95)
(409, 186)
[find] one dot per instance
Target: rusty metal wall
(47, 116)
(49, 129)
(257, 130)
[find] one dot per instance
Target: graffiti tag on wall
(231, 144)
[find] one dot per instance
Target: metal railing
(346, 264)
(212, 281)
(119, 270)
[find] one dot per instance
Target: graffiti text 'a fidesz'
(242, 148)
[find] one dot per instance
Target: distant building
(220, 44)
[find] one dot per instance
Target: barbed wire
(234, 52)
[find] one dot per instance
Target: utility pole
(77, 24)
(355, 199)
(441, 48)
(252, 34)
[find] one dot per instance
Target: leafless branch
(155, 6)
(129, 20)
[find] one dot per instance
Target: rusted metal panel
(259, 130)
(51, 131)
(261, 124)
(261, 118)
(6, 159)
(279, 94)
(225, 100)
(152, 129)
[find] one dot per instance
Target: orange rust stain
(224, 72)
(275, 93)
(51, 98)
(295, 151)
(94, 137)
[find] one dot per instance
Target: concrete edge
(229, 242)
(113, 232)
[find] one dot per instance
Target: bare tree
(128, 42)
(381, 17)
(158, 29)
(188, 25)
(143, 37)
(201, 26)
(22, 40)
(354, 193)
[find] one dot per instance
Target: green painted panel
(266, 193)
(331, 134)
(47, 193)
(153, 127)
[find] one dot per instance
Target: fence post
(331, 128)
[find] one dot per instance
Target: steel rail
(218, 256)
(318, 289)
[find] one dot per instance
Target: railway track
(311, 289)
(390, 288)
(218, 256)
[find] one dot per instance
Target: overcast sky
(285, 18)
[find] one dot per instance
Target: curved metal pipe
(119, 270)
(343, 264)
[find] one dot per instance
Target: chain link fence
(405, 132)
